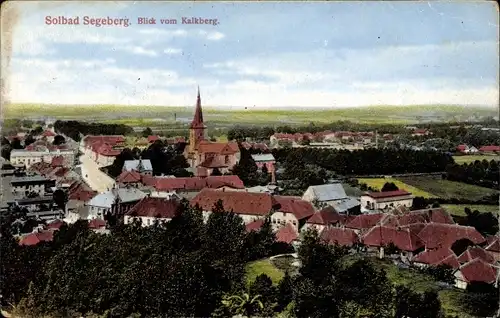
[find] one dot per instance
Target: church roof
(198, 114)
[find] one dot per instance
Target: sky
(262, 55)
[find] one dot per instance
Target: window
(226, 159)
(294, 222)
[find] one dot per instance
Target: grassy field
(378, 183)
(458, 209)
(264, 266)
(472, 158)
(149, 115)
(448, 189)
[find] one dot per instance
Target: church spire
(198, 113)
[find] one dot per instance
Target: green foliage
(411, 304)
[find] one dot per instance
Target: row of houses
(465, 149)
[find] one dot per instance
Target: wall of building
(279, 219)
(375, 204)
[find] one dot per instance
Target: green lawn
(378, 183)
(458, 209)
(448, 189)
(264, 266)
(472, 158)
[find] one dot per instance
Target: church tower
(197, 128)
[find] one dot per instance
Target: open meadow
(378, 183)
(471, 158)
(459, 209)
(154, 115)
(411, 278)
(448, 189)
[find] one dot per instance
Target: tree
(29, 140)
(59, 140)
(263, 286)
(389, 186)
(480, 300)
(16, 144)
(485, 223)
(246, 168)
(285, 292)
(461, 245)
(411, 304)
(245, 304)
(442, 273)
(60, 199)
(147, 132)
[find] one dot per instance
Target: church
(203, 155)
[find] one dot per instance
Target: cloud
(212, 36)
(172, 51)
(137, 50)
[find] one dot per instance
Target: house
(129, 178)
(493, 246)
(116, 202)
(102, 149)
(435, 257)
(291, 210)
(249, 206)
(26, 157)
(37, 184)
(364, 222)
(189, 187)
(327, 217)
(49, 135)
(98, 226)
(254, 225)
(207, 155)
(420, 132)
(466, 149)
(476, 270)
(403, 239)
(142, 166)
(440, 235)
(385, 200)
(38, 236)
(474, 252)
(287, 234)
(339, 235)
(325, 194)
(150, 210)
(266, 160)
(484, 149)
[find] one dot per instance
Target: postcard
(250, 159)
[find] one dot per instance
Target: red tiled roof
(81, 192)
(387, 194)
(365, 221)
(48, 133)
(301, 209)
(438, 256)
(255, 225)
(238, 202)
(129, 177)
(478, 271)
(193, 184)
(57, 161)
(437, 235)
(97, 224)
(420, 131)
(287, 234)
(154, 138)
(223, 148)
(155, 207)
(493, 244)
(403, 239)
(339, 235)
(461, 147)
(436, 215)
(476, 252)
(56, 224)
(489, 148)
(37, 237)
(326, 216)
(260, 146)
